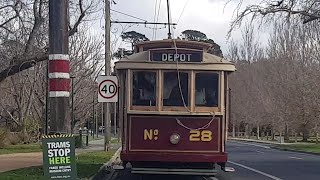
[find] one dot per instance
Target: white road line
(266, 147)
(255, 170)
(210, 178)
(260, 152)
(292, 157)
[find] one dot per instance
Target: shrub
(78, 141)
(3, 137)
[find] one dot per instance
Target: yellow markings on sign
(196, 135)
(151, 134)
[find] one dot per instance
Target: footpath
(263, 141)
(14, 161)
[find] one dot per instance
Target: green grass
(314, 148)
(88, 164)
(21, 148)
(114, 141)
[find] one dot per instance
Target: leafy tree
(133, 37)
(194, 35)
(121, 52)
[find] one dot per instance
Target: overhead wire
(157, 19)
(128, 15)
(184, 7)
(154, 18)
(179, 83)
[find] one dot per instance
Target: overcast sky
(211, 17)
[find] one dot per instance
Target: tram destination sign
(172, 55)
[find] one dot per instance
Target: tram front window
(144, 88)
(207, 89)
(171, 90)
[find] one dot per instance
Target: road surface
(254, 161)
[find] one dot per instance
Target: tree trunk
(233, 130)
(258, 131)
(247, 134)
(305, 134)
(295, 137)
(286, 132)
(272, 134)
(317, 138)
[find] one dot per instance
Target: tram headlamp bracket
(174, 138)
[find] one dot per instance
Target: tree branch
(26, 64)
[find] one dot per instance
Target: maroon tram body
(165, 137)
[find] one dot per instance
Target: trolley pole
(59, 67)
(107, 116)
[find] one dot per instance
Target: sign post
(59, 160)
(108, 89)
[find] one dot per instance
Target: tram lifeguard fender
(173, 157)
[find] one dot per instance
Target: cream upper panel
(141, 61)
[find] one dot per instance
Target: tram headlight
(174, 138)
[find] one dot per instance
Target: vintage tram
(173, 108)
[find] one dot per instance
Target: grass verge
(21, 148)
(88, 164)
(313, 148)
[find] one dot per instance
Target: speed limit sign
(108, 89)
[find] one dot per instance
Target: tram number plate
(204, 135)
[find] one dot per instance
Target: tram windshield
(144, 88)
(171, 89)
(207, 89)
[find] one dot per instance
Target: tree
(121, 52)
(195, 35)
(133, 37)
(26, 23)
(307, 11)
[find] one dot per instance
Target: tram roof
(170, 43)
(141, 59)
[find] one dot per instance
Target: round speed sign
(108, 89)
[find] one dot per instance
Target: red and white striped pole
(59, 68)
(59, 75)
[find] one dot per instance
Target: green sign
(59, 160)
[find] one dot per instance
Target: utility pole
(59, 67)
(168, 12)
(107, 116)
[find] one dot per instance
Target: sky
(212, 17)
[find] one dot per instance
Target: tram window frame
(144, 107)
(188, 100)
(203, 108)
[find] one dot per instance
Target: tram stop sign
(59, 160)
(108, 89)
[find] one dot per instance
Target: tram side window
(171, 90)
(144, 88)
(207, 86)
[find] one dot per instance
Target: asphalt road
(254, 161)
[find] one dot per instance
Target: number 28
(204, 135)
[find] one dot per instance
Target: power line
(132, 22)
(182, 10)
(128, 15)
(154, 18)
(156, 26)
